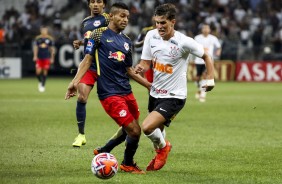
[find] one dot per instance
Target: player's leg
(84, 88)
(133, 131)
(120, 110)
(114, 141)
(198, 79)
(153, 125)
(38, 73)
(203, 92)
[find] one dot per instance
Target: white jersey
(170, 62)
(209, 42)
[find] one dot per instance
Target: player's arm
(35, 51)
(77, 43)
(210, 71)
(142, 66)
(198, 50)
(82, 68)
(52, 52)
(138, 78)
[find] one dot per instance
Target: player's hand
(77, 43)
(209, 85)
(72, 90)
(139, 69)
(34, 59)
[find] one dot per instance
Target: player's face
(96, 6)
(165, 27)
(206, 29)
(120, 19)
(44, 30)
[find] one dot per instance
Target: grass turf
(235, 137)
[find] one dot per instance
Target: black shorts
(167, 107)
(201, 68)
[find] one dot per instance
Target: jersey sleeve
(146, 52)
(217, 43)
(94, 41)
(192, 46)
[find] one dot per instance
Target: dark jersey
(113, 55)
(141, 37)
(44, 44)
(91, 23)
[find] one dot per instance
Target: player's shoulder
(126, 37)
(87, 18)
(50, 37)
(106, 15)
(153, 33)
(97, 33)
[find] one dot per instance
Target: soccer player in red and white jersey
(168, 50)
(43, 56)
(213, 47)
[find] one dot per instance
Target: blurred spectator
(75, 34)
(2, 41)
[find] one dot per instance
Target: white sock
(164, 133)
(157, 139)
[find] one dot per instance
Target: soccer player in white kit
(212, 46)
(168, 50)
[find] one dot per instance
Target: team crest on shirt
(47, 41)
(126, 46)
(97, 23)
(174, 51)
(122, 113)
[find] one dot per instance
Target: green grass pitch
(235, 137)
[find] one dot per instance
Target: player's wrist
(210, 82)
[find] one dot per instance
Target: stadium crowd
(247, 29)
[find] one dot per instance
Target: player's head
(119, 15)
(43, 30)
(206, 29)
(96, 6)
(164, 17)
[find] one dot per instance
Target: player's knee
(82, 98)
(147, 129)
(135, 132)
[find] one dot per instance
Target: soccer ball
(104, 165)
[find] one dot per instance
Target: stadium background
(249, 30)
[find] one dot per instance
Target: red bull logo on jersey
(119, 56)
(87, 34)
(166, 68)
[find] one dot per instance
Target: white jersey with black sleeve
(170, 62)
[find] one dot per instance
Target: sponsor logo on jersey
(97, 23)
(90, 46)
(126, 46)
(109, 41)
(159, 91)
(122, 113)
(174, 42)
(119, 56)
(87, 34)
(165, 68)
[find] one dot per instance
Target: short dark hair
(168, 10)
(104, 1)
(118, 5)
